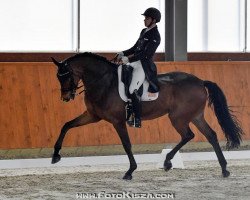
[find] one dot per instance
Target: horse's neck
(96, 66)
(99, 76)
(93, 69)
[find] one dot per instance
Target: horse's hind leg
(81, 120)
(211, 136)
(186, 133)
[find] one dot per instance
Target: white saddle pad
(146, 96)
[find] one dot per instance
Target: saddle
(124, 80)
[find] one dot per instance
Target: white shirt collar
(150, 28)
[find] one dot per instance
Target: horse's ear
(55, 62)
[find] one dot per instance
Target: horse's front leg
(123, 134)
(83, 119)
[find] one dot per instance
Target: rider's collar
(150, 28)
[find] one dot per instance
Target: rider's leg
(137, 80)
(136, 104)
(138, 76)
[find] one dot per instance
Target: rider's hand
(124, 60)
(119, 55)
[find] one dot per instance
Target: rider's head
(152, 16)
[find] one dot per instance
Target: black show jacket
(144, 50)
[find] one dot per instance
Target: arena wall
(31, 112)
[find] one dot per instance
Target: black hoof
(225, 173)
(127, 177)
(167, 165)
(55, 159)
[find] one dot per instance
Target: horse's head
(68, 80)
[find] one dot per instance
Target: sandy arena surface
(199, 180)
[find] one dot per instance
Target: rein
(84, 90)
(78, 87)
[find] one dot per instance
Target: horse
(182, 97)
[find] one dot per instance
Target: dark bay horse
(182, 96)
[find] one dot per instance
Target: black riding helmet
(153, 13)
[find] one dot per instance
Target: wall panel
(31, 112)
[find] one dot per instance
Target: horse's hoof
(167, 165)
(127, 177)
(225, 173)
(55, 159)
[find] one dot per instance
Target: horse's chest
(95, 109)
(90, 107)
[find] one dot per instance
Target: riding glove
(119, 55)
(125, 60)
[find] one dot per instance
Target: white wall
(35, 25)
(216, 25)
(115, 25)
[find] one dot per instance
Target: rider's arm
(131, 51)
(148, 51)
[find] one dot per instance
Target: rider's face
(147, 21)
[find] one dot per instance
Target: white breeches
(138, 76)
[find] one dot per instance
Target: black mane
(91, 55)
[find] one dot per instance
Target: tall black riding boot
(129, 113)
(136, 103)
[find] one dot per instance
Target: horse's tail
(226, 119)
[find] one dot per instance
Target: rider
(140, 58)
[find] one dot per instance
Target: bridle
(73, 87)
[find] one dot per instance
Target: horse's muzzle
(68, 97)
(65, 99)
